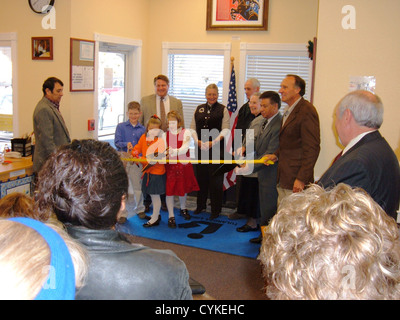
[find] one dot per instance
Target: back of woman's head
(83, 184)
(39, 261)
(335, 244)
(24, 256)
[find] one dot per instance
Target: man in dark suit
(266, 141)
(367, 161)
(48, 124)
(299, 139)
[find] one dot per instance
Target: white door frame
(133, 67)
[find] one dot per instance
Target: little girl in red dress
(180, 176)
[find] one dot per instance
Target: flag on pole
(230, 177)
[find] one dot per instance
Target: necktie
(163, 116)
(337, 157)
(264, 125)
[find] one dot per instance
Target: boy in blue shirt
(127, 136)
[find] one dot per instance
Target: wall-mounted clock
(41, 6)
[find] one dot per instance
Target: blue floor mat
(200, 232)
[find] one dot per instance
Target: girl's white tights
(156, 200)
(170, 204)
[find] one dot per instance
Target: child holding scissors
(152, 148)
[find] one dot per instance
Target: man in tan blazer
(48, 124)
(151, 104)
(299, 139)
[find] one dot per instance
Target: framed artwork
(237, 15)
(42, 48)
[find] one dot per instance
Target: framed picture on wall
(237, 15)
(42, 48)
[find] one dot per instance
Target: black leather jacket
(120, 270)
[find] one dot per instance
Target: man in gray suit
(155, 103)
(48, 124)
(266, 140)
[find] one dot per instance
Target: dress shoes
(172, 223)
(149, 224)
(214, 216)
(257, 240)
(185, 214)
(142, 215)
(146, 208)
(235, 216)
(246, 228)
(199, 210)
(164, 206)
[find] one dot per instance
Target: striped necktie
(163, 116)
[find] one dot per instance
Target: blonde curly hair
(335, 244)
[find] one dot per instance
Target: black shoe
(199, 210)
(214, 216)
(164, 206)
(142, 215)
(185, 214)
(256, 240)
(146, 208)
(149, 225)
(172, 223)
(246, 228)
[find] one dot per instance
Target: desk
(16, 176)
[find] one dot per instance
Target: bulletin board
(82, 65)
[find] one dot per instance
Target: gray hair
(366, 107)
(256, 94)
(254, 82)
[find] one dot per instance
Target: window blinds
(271, 69)
(189, 75)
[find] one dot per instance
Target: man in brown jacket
(299, 139)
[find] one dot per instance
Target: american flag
(230, 177)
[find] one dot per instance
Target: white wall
(372, 49)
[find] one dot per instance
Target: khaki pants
(283, 193)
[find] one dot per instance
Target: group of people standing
(85, 184)
(287, 146)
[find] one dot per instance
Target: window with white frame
(8, 89)
(191, 67)
(270, 63)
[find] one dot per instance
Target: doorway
(118, 65)
(112, 93)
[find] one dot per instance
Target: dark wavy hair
(83, 184)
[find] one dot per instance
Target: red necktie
(163, 115)
(337, 157)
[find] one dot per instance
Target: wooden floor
(225, 276)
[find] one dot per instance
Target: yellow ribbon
(164, 161)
